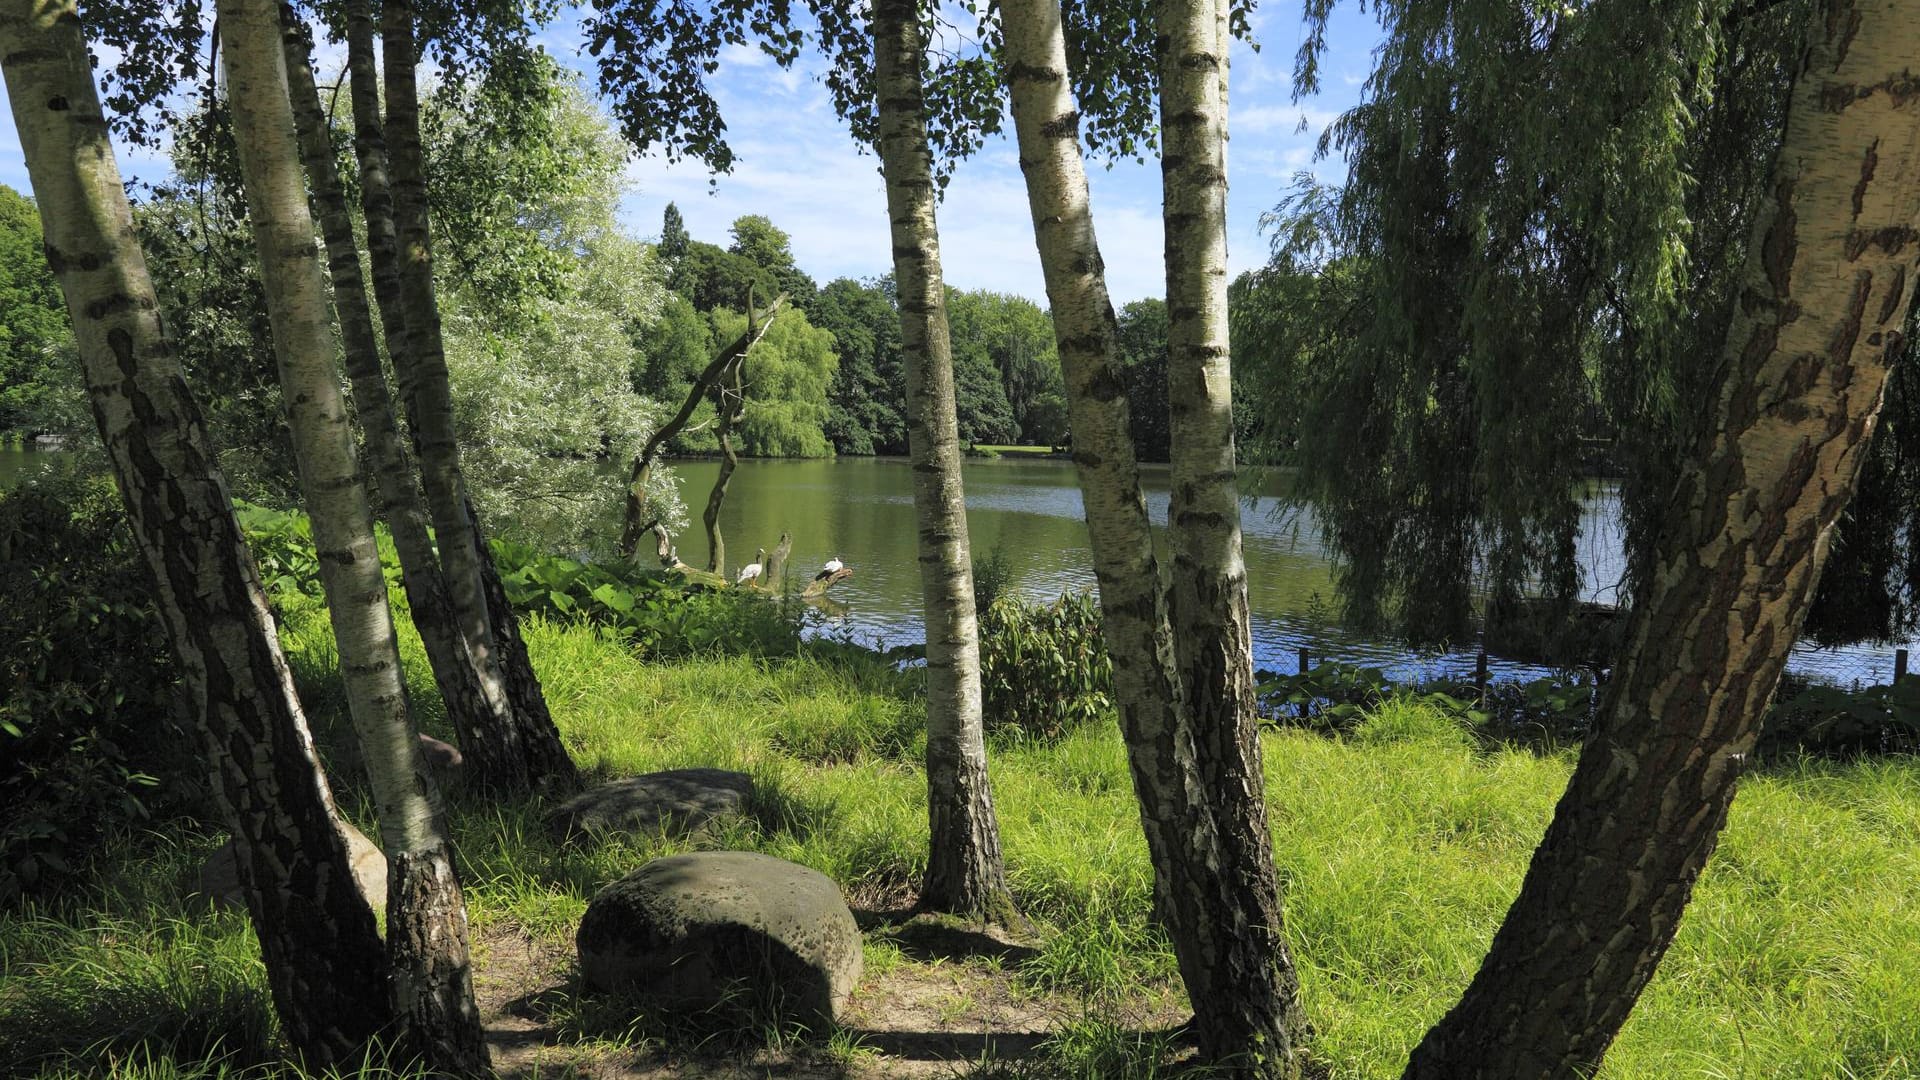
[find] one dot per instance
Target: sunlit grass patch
(1400, 845)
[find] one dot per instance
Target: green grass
(1402, 845)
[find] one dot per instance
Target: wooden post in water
(1480, 671)
(1304, 705)
(1899, 665)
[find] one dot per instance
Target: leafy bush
(1332, 696)
(89, 717)
(1044, 668)
(657, 613)
(992, 577)
(1812, 718)
(660, 614)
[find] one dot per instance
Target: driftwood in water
(730, 406)
(777, 563)
(823, 581)
(637, 523)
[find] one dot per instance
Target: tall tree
(965, 872)
(393, 193)
(1219, 909)
(1207, 599)
(673, 234)
(432, 982)
(1829, 280)
(482, 722)
(867, 400)
(318, 937)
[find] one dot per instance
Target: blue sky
(797, 164)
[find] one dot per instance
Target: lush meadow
(1401, 843)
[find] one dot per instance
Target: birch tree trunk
(483, 723)
(965, 872)
(393, 195)
(1212, 630)
(432, 985)
(318, 937)
(1831, 265)
(1243, 1024)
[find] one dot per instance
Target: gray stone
(690, 931)
(219, 878)
(676, 802)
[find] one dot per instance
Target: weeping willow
(1529, 271)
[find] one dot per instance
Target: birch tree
(393, 201)
(1184, 710)
(318, 938)
(965, 872)
(481, 719)
(879, 83)
(1829, 281)
(431, 987)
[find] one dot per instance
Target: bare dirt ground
(946, 999)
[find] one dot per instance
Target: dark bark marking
(1896, 300)
(1868, 163)
(1778, 248)
(1891, 239)
(1064, 126)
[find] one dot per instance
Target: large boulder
(690, 931)
(675, 802)
(219, 879)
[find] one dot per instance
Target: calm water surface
(861, 510)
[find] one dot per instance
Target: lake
(861, 511)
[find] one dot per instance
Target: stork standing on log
(834, 566)
(751, 572)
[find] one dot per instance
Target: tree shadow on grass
(928, 937)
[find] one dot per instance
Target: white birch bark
(965, 872)
(318, 938)
(1212, 627)
(1200, 889)
(431, 981)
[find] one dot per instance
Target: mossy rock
(717, 927)
(676, 802)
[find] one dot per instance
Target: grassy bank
(1402, 846)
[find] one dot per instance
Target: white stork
(751, 572)
(834, 566)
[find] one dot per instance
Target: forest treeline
(554, 309)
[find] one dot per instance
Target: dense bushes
(659, 614)
(1043, 668)
(90, 720)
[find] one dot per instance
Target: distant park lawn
(1402, 845)
(1038, 451)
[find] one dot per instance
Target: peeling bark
(1745, 534)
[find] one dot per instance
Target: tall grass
(1401, 843)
